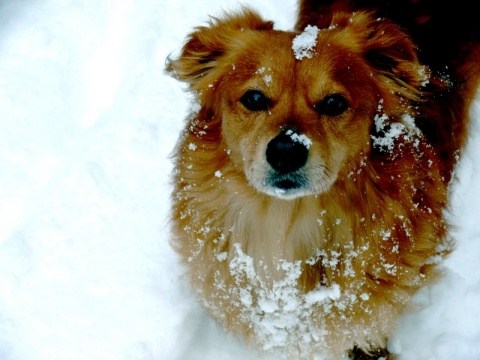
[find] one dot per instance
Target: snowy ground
(87, 122)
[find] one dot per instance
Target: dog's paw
(378, 354)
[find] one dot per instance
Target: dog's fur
(310, 188)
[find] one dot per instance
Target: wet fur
(371, 222)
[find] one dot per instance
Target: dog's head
(296, 112)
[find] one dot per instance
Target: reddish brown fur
(447, 37)
(366, 235)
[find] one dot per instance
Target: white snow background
(87, 122)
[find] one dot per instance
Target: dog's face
(295, 117)
(293, 125)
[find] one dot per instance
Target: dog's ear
(392, 55)
(199, 63)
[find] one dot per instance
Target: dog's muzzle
(287, 154)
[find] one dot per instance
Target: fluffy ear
(199, 63)
(392, 55)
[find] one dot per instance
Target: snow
(267, 79)
(302, 139)
(88, 122)
(390, 131)
(281, 314)
(304, 43)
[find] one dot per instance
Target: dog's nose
(285, 153)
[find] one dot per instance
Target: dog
(311, 180)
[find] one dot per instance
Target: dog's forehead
(334, 60)
(272, 62)
(282, 53)
(271, 49)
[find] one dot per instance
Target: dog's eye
(332, 105)
(255, 100)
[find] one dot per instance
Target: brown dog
(310, 182)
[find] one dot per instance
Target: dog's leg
(377, 354)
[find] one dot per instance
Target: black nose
(285, 153)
